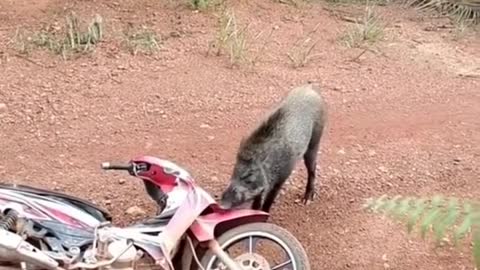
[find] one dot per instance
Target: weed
(261, 51)
(301, 52)
(295, 3)
(78, 39)
(21, 42)
(231, 38)
(361, 2)
(73, 39)
(223, 33)
(143, 40)
(370, 30)
(199, 4)
(204, 4)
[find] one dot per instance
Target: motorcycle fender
(209, 226)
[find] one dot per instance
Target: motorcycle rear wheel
(269, 231)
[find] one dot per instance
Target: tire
(283, 237)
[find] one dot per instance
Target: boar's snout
(231, 197)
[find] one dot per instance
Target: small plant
(73, 39)
(143, 40)
(199, 4)
(79, 39)
(231, 38)
(368, 31)
(21, 41)
(261, 51)
(361, 2)
(204, 4)
(437, 214)
(295, 3)
(301, 52)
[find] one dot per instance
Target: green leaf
(466, 224)
(440, 214)
(448, 219)
(415, 215)
(429, 220)
(476, 248)
(432, 215)
(368, 204)
(403, 207)
(378, 204)
(391, 204)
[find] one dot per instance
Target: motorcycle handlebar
(125, 167)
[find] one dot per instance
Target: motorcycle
(42, 229)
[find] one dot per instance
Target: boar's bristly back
(263, 133)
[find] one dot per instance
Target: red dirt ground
(402, 119)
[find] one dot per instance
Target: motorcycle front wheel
(251, 259)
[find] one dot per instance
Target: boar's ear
(243, 144)
(245, 153)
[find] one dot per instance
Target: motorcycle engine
(126, 255)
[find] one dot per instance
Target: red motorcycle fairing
(207, 227)
(162, 173)
(166, 174)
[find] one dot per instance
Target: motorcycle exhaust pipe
(13, 247)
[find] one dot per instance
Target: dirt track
(401, 120)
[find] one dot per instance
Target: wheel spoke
(246, 253)
(282, 265)
(250, 244)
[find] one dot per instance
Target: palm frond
(461, 11)
(438, 214)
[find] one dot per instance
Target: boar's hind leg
(310, 159)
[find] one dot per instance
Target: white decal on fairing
(172, 168)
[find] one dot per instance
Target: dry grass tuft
(368, 31)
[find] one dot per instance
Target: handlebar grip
(105, 165)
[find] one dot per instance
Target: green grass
(70, 39)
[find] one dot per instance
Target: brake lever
(142, 167)
(134, 169)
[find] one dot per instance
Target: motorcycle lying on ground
(41, 229)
